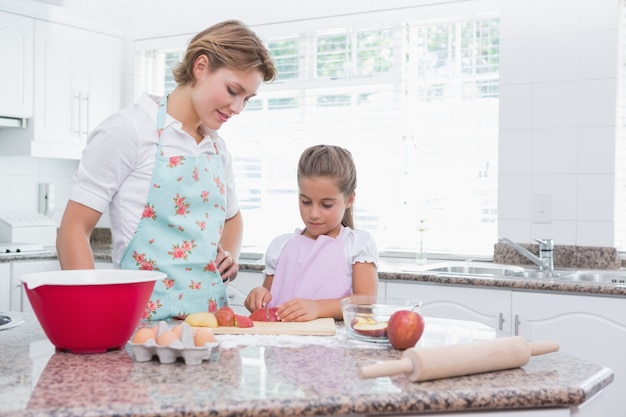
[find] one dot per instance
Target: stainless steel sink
(473, 269)
(490, 270)
(536, 274)
(595, 277)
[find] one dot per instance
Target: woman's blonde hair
(229, 44)
(335, 162)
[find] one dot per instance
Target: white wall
(558, 87)
(557, 96)
(20, 178)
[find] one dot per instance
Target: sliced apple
(369, 327)
(261, 314)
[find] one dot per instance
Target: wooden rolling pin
(424, 364)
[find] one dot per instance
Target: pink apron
(311, 268)
(179, 232)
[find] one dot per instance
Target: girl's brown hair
(230, 44)
(334, 162)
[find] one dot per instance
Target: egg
(202, 336)
(143, 334)
(166, 338)
(178, 330)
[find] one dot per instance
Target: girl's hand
(298, 309)
(226, 264)
(259, 297)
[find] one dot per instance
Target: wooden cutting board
(317, 327)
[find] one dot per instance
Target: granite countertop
(401, 273)
(275, 376)
(398, 271)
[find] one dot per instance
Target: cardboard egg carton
(183, 348)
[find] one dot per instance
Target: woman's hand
(259, 297)
(226, 264)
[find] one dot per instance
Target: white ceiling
(147, 19)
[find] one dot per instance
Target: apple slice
(261, 314)
(369, 327)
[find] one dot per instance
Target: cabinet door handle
(231, 296)
(501, 321)
(84, 119)
(517, 323)
(76, 114)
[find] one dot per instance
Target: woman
(166, 177)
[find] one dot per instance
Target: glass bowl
(365, 317)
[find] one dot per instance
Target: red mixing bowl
(90, 311)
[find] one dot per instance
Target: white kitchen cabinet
(535, 412)
(5, 286)
(239, 289)
(488, 306)
(16, 73)
(77, 82)
(589, 327)
(19, 299)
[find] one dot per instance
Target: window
(416, 103)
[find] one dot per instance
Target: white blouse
(359, 246)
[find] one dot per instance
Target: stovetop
(10, 319)
(11, 249)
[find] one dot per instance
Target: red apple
(367, 326)
(261, 314)
(405, 329)
(225, 316)
(243, 321)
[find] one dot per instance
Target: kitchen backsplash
(564, 256)
(101, 238)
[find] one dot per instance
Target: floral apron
(179, 232)
(311, 268)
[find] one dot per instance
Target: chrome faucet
(545, 260)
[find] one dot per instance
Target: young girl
(308, 272)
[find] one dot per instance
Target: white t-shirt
(117, 164)
(359, 246)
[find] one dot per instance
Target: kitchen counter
(403, 272)
(399, 271)
(406, 272)
(278, 376)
